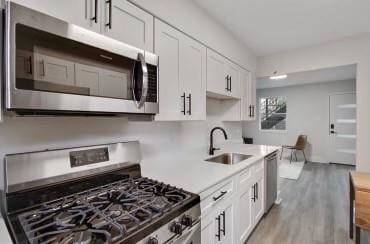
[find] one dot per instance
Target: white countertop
(188, 170)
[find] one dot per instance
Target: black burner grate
(105, 214)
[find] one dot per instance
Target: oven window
(50, 63)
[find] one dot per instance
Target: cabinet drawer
(224, 190)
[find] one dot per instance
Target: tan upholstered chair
(300, 146)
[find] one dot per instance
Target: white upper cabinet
(248, 96)
(233, 73)
(223, 79)
(193, 78)
(216, 75)
(85, 13)
(118, 19)
(127, 23)
(182, 75)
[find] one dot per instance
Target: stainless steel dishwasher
(270, 180)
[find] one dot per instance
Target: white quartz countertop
(188, 170)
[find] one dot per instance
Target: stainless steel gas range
(94, 194)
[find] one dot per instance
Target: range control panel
(91, 156)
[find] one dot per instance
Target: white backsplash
(25, 134)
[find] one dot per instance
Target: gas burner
(103, 214)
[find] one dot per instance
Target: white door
(228, 223)
(252, 97)
(208, 230)
(258, 205)
(244, 221)
(216, 75)
(79, 12)
(127, 23)
(193, 78)
(342, 128)
(167, 46)
(234, 80)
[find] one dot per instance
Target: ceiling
(347, 72)
(271, 26)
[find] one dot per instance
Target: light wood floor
(314, 209)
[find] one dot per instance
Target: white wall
(308, 113)
(353, 50)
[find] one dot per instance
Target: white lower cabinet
(218, 226)
(244, 222)
(233, 217)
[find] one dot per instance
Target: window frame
(260, 117)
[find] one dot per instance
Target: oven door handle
(144, 89)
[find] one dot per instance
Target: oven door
(53, 66)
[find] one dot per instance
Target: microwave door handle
(144, 91)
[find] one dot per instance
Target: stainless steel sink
(228, 158)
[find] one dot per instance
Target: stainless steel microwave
(53, 67)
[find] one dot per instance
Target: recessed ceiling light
(278, 77)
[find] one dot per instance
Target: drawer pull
(221, 195)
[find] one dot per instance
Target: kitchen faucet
(211, 148)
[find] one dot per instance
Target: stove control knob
(152, 240)
(176, 228)
(187, 221)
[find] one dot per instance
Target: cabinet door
(54, 70)
(244, 221)
(258, 205)
(227, 223)
(234, 80)
(167, 46)
(252, 97)
(127, 23)
(193, 78)
(245, 79)
(216, 73)
(208, 230)
(88, 76)
(79, 12)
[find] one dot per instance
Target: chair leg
(291, 155)
(281, 154)
(304, 155)
(295, 154)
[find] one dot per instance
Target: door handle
(230, 84)
(189, 100)
(333, 132)
(257, 190)
(223, 223)
(254, 192)
(221, 195)
(218, 235)
(227, 83)
(30, 65)
(145, 81)
(109, 24)
(95, 18)
(183, 104)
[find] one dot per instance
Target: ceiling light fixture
(278, 77)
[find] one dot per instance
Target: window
(273, 111)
